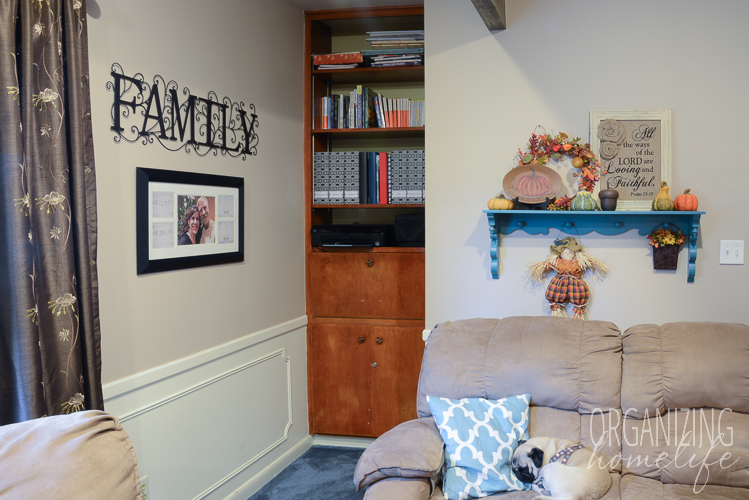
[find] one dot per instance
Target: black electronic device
(409, 230)
(353, 235)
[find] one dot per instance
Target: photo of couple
(195, 223)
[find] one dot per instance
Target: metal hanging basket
(666, 257)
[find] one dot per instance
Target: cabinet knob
(370, 263)
(378, 340)
(374, 365)
(361, 339)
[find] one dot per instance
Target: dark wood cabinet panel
(339, 375)
(396, 380)
(367, 285)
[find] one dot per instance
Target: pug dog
(560, 469)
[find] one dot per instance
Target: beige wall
(247, 51)
(206, 368)
(556, 61)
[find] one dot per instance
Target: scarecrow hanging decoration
(570, 263)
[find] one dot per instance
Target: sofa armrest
(412, 450)
(83, 456)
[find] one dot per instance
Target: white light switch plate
(731, 251)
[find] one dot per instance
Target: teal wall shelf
(606, 223)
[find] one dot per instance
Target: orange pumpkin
(686, 201)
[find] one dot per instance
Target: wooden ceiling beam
(492, 12)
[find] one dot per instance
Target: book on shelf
(365, 108)
(373, 178)
(383, 177)
(338, 59)
(368, 177)
(363, 178)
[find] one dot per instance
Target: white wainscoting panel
(205, 426)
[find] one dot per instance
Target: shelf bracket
(575, 223)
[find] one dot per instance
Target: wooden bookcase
(365, 305)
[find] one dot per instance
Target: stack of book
(396, 39)
(394, 57)
(340, 60)
(368, 177)
(395, 48)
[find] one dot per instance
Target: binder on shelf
(372, 178)
(320, 180)
(336, 178)
(351, 192)
(407, 177)
(363, 178)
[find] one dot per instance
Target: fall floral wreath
(542, 147)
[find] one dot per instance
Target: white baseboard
(345, 441)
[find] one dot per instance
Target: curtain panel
(50, 354)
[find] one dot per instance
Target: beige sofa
(667, 407)
(81, 456)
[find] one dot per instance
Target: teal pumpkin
(583, 201)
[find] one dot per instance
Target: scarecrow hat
(568, 242)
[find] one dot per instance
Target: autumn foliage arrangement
(543, 147)
(665, 237)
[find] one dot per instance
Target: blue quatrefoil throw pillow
(480, 436)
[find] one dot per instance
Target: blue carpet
(322, 473)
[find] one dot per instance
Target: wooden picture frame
(634, 147)
(166, 240)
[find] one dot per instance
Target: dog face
(526, 461)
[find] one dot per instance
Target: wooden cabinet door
(367, 285)
(339, 377)
(397, 350)
(362, 388)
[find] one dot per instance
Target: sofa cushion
(639, 488)
(400, 488)
(413, 449)
(480, 437)
(85, 455)
(564, 363)
(684, 398)
(612, 494)
(685, 365)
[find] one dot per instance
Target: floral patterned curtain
(50, 356)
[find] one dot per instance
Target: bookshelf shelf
(607, 223)
(390, 132)
(372, 207)
(371, 75)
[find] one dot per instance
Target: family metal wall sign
(146, 112)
